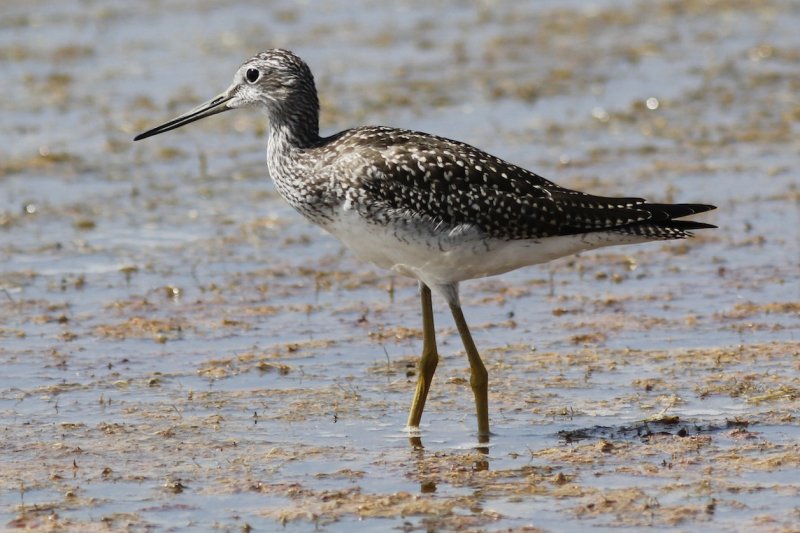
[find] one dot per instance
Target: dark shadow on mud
(645, 430)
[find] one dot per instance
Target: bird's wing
(457, 184)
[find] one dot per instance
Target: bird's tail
(663, 224)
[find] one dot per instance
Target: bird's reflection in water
(480, 463)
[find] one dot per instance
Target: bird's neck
(288, 139)
(292, 130)
(293, 168)
(295, 125)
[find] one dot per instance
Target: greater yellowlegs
(430, 208)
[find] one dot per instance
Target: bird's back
(388, 172)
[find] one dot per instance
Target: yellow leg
(428, 361)
(479, 377)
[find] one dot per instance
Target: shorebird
(427, 207)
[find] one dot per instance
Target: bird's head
(276, 81)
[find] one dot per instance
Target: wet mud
(181, 350)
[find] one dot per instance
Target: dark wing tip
(689, 224)
(667, 212)
(700, 208)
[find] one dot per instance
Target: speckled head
(276, 81)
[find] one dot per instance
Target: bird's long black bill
(212, 107)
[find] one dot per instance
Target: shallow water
(180, 349)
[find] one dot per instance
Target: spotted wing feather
(456, 184)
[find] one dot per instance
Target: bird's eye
(252, 75)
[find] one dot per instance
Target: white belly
(441, 257)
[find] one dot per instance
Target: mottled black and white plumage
(426, 196)
(424, 206)
(424, 176)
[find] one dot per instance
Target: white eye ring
(252, 75)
